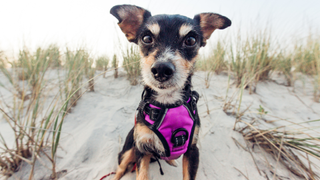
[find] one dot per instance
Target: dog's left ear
(209, 22)
(130, 19)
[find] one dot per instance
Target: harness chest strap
(173, 125)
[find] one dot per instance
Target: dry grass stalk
(303, 58)
(131, 64)
(90, 75)
(284, 146)
(102, 64)
(77, 65)
(115, 64)
(252, 59)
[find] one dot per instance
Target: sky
(84, 23)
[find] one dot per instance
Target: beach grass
(131, 64)
(115, 65)
(293, 148)
(27, 112)
(32, 115)
(102, 63)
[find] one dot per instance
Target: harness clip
(181, 139)
(154, 114)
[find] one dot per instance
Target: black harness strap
(155, 114)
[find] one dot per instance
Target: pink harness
(174, 125)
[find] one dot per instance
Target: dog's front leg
(143, 161)
(190, 163)
(126, 156)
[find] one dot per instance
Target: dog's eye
(190, 41)
(147, 39)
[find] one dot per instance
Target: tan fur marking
(172, 163)
(141, 130)
(185, 167)
(191, 63)
(210, 22)
(145, 137)
(187, 64)
(148, 60)
(206, 24)
(132, 18)
(195, 135)
(144, 168)
(130, 11)
(127, 157)
(137, 172)
(154, 28)
(185, 29)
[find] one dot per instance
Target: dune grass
(303, 58)
(293, 148)
(115, 65)
(285, 66)
(102, 63)
(256, 57)
(76, 66)
(36, 120)
(252, 59)
(131, 64)
(33, 116)
(27, 113)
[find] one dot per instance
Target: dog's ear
(209, 22)
(130, 19)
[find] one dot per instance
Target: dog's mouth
(165, 86)
(162, 87)
(170, 85)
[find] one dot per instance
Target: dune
(94, 131)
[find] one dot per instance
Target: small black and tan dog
(169, 45)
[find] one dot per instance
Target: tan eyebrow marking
(154, 28)
(185, 29)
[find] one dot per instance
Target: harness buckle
(181, 139)
(154, 114)
(195, 96)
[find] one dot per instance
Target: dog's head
(169, 44)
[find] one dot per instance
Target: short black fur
(128, 144)
(193, 157)
(169, 36)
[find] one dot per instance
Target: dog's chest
(168, 97)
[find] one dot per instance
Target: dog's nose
(162, 71)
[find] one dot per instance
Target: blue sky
(88, 23)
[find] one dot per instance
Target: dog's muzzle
(162, 71)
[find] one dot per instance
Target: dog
(167, 122)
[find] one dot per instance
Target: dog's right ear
(209, 22)
(130, 19)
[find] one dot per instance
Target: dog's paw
(173, 163)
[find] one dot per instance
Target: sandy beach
(94, 132)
